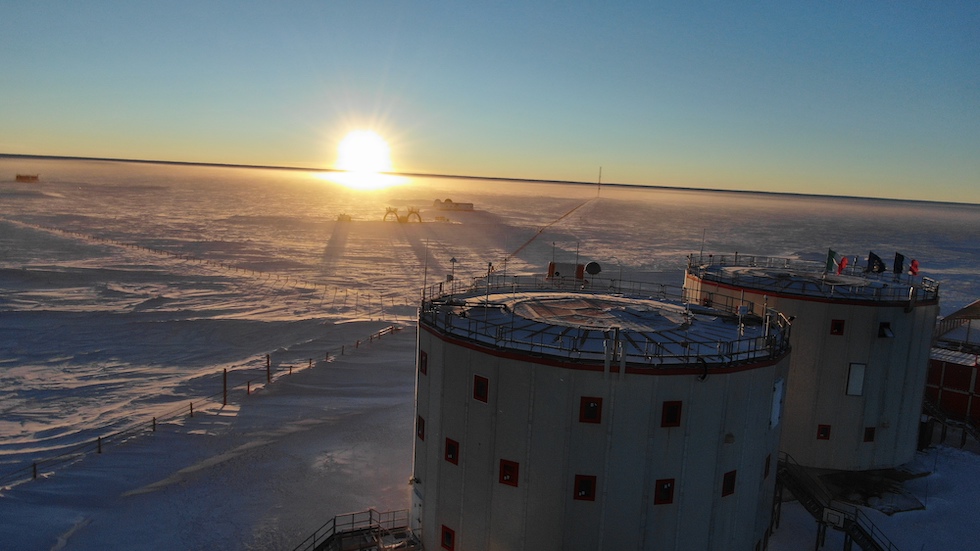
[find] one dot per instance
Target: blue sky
(868, 98)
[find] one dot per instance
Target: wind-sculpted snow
(127, 289)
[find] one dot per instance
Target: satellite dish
(593, 268)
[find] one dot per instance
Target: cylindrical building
(552, 419)
(860, 353)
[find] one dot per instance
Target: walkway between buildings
(820, 503)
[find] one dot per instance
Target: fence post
(192, 409)
(290, 370)
(34, 467)
(154, 424)
(224, 387)
(98, 444)
(311, 363)
(341, 350)
(248, 389)
(268, 369)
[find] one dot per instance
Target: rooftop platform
(788, 277)
(647, 326)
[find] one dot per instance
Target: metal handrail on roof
(454, 310)
(879, 287)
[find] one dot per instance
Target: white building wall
(532, 417)
(893, 383)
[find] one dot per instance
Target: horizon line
(471, 177)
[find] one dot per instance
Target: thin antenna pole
(703, 232)
(425, 270)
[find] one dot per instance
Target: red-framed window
(452, 451)
(420, 428)
(663, 491)
(509, 472)
(448, 539)
(869, 434)
(823, 432)
(836, 327)
(423, 362)
(585, 487)
(728, 484)
(670, 415)
(590, 410)
(481, 388)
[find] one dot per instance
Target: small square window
(585, 487)
(836, 327)
(423, 362)
(823, 432)
(663, 491)
(869, 434)
(448, 538)
(728, 484)
(452, 451)
(590, 410)
(765, 471)
(481, 388)
(420, 428)
(885, 330)
(671, 414)
(509, 471)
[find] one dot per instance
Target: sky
(875, 98)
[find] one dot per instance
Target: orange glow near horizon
(364, 157)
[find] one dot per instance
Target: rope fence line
(43, 467)
(275, 282)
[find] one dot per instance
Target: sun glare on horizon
(364, 157)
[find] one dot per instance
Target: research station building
(557, 418)
(861, 345)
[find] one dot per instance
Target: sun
(364, 157)
(364, 151)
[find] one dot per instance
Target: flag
(899, 265)
(875, 263)
(835, 262)
(914, 268)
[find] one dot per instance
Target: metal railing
(880, 287)
(350, 522)
(445, 307)
(819, 502)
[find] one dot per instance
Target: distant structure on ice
(555, 416)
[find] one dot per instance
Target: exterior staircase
(827, 511)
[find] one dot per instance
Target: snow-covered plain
(126, 289)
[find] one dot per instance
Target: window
(452, 451)
(671, 414)
(836, 327)
(420, 428)
(885, 330)
(585, 487)
(869, 434)
(590, 410)
(776, 410)
(423, 362)
(728, 484)
(663, 491)
(823, 432)
(765, 471)
(855, 380)
(509, 471)
(448, 538)
(481, 388)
